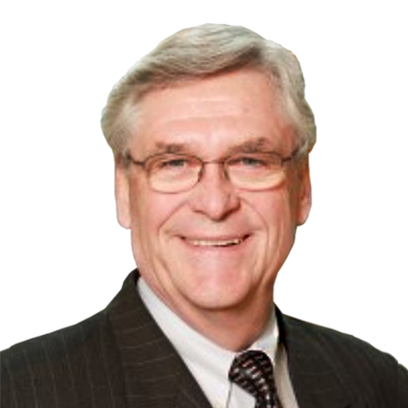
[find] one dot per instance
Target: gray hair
(197, 53)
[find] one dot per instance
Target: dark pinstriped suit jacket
(119, 358)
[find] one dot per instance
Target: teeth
(217, 243)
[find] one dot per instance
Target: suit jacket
(119, 358)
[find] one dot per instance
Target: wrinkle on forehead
(248, 146)
(234, 112)
(252, 145)
(203, 98)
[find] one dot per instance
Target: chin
(223, 291)
(212, 303)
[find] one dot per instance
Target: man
(211, 134)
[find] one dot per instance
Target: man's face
(181, 241)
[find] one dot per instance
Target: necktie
(253, 371)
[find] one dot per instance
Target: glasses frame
(222, 161)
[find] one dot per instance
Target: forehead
(215, 113)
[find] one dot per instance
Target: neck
(233, 328)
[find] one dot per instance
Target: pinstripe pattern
(51, 375)
(331, 369)
(70, 372)
(154, 373)
(119, 358)
(31, 383)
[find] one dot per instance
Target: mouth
(216, 242)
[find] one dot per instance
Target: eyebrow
(249, 146)
(162, 147)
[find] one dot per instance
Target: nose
(214, 195)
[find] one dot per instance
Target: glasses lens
(173, 173)
(255, 171)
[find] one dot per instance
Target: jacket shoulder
(333, 340)
(358, 364)
(69, 367)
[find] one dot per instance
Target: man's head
(200, 52)
(211, 172)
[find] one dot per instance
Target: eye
(173, 163)
(248, 161)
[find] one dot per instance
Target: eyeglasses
(175, 173)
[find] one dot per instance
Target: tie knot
(253, 371)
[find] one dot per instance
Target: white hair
(199, 52)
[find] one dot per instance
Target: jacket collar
(155, 375)
(316, 379)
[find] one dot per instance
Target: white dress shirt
(210, 364)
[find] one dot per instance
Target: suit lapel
(315, 380)
(155, 375)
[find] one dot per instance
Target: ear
(304, 193)
(122, 191)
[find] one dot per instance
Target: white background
(63, 255)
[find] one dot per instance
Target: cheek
(281, 227)
(146, 218)
(150, 211)
(276, 215)
(274, 207)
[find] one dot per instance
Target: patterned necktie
(253, 371)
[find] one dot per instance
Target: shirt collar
(268, 342)
(208, 362)
(184, 338)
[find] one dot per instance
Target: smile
(216, 242)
